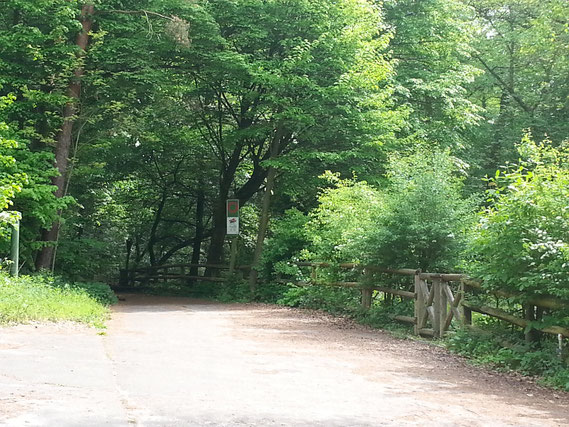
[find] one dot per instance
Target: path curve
(175, 362)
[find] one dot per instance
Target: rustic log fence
(163, 273)
(439, 299)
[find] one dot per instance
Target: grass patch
(45, 298)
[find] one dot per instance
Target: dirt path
(174, 362)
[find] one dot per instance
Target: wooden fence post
(367, 292)
(313, 273)
(366, 298)
(466, 313)
(531, 335)
(419, 304)
(440, 307)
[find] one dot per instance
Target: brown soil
(173, 361)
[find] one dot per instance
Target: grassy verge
(495, 345)
(45, 298)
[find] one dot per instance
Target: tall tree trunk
(215, 252)
(264, 220)
(157, 219)
(197, 246)
(45, 258)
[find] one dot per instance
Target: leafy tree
(432, 45)
(36, 64)
(521, 242)
(425, 217)
(10, 180)
(284, 75)
(522, 48)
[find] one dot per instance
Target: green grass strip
(45, 298)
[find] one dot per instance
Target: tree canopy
(125, 126)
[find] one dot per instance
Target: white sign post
(233, 217)
(233, 230)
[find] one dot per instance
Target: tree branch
(136, 12)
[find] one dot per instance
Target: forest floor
(174, 362)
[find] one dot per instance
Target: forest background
(424, 134)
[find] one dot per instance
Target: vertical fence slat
(441, 306)
(466, 313)
(367, 292)
(435, 290)
(419, 304)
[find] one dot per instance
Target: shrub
(345, 215)
(424, 222)
(288, 239)
(501, 349)
(522, 240)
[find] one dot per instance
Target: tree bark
(264, 220)
(215, 252)
(158, 217)
(197, 247)
(45, 258)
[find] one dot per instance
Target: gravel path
(176, 362)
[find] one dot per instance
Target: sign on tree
(233, 217)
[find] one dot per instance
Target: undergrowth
(47, 298)
(505, 350)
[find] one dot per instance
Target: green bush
(522, 240)
(425, 219)
(332, 300)
(100, 292)
(287, 240)
(346, 214)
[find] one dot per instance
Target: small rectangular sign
(233, 208)
(233, 225)
(233, 216)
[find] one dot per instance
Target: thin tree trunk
(197, 247)
(154, 229)
(264, 220)
(45, 258)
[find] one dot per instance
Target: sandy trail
(175, 362)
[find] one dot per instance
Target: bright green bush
(425, 218)
(287, 240)
(522, 240)
(346, 214)
(11, 179)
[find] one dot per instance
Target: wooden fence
(163, 273)
(439, 299)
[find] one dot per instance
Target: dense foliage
(522, 240)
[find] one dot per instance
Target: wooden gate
(436, 304)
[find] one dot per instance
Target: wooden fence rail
(146, 275)
(439, 298)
